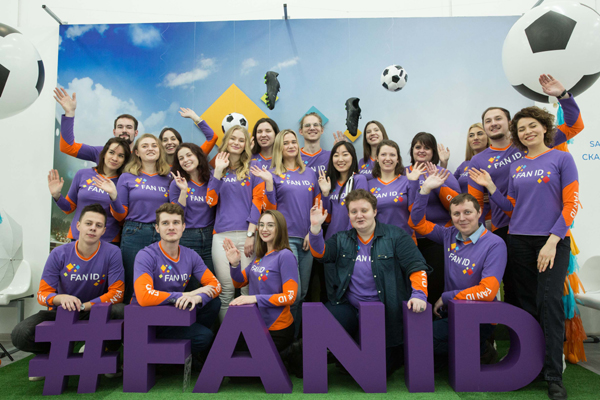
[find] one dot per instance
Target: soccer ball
(234, 119)
(21, 72)
(393, 78)
(557, 38)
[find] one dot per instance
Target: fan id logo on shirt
(74, 275)
(469, 270)
(399, 198)
(141, 183)
(264, 276)
(460, 260)
(100, 281)
(545, 179)
(498, 162)
(167, 276)
(233, 179)
(522, 172)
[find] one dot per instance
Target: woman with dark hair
(188, 188)
(263, 135)
(390, 186)
(273, 278)
(112, 160)
(373, 135)
(543, 200)
(424, 149)
(170, 138)
(343, 170)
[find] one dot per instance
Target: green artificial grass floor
(14, 384)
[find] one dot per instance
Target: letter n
(263, 359)
(142, 350)
(519, 368)
(365, 361)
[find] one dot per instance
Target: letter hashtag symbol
(60, 363)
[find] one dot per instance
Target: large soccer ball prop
(232, 120)
(560, 38)
(21, 72)
(393, 78)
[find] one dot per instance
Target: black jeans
(510, 296)
(23, 336)
(433, 253)
(540, 294)
(282, 339)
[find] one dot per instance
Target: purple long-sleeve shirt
(318, 161)
(198, 213)
(366, 167)
(392, 202)
(336, 206)
(138, 197)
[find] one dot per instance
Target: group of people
(264, 211)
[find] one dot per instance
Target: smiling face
(531, 132)
(170, 142)
(170, 227)
(125, 129)
(115, 157)
(422, 153)
(342, 159)
(290, 146)
(237, 142)
(91, 227)
(373, 134)
(311, 128)
(265, 135)
(477, 139)
(148, 150)
(465, 218)
(267, 229)
(187, 159)
(495, 124)
(387, 158)
(362, 215)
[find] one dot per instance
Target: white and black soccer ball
(393, 78)
(21, 72)
(560, 38)
(232, 120)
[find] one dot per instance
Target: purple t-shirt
(318, 161)
(198, 214)
(462, 176)
(362, 283)
(260, 161)
(83, 193)
(293, 195)
(336, 206)
(392, 201)
(138, 197)
(366, 168)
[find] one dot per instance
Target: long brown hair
(126, 149)
(203, 166)
(281, 235)
(366, 145)
(399, 170)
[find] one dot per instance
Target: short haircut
(461, 198)
(128, 116)
(543, 117)
(126, 149)
(427, 140)
(504, 110)
(97, 208)
(169, 208)
(366, 146)
(177, 134)
(399, 170)
(281, 236)
(361, 194)
(311, 114)
(256, 149)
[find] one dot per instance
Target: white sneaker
(82, 349)
(36, 378)
(564, 363)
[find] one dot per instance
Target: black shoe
(490, 356)
(352, 115)
(272, 88)
(556, 390)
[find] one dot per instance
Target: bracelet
(563, 94)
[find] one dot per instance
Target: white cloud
(60, 39)
(97, 109)
(78, 30)
(186, 79)
(285, 64)
(155, 122)
(247, 65)
(144, 36)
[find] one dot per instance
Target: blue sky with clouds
(454, 67)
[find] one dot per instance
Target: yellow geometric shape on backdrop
(232, 100)
(352, 138)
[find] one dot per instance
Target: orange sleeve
(422, 227)
(73, 205)
(119, 216)
(478, 194)
(418, 280)
(239, 285)
(208, 145)
(287, 298)
(258, 196)
(570, 197)
(70, 149)
(145, 293)
(209, 279)
(43, 293)
(485, 291)
(572, 131)
(446, 195)
(114, 294)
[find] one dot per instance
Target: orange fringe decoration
(573, 347)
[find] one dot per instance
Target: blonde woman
(141, 189)
(292, 189)
(238, 196)
(477, 141)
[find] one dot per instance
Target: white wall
(26, 151)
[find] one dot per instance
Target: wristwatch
(82, 307)
(249, 234)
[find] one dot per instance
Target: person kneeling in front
(76, 276)
(161, 273)
(474, 263)
(371, 262)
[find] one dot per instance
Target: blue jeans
(200, 332)
(199, 240)
(305, 259)
(134, 238)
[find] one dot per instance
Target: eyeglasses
(315, 125)
(270, 226)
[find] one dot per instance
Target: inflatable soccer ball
(393, 78)
(232, 120)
